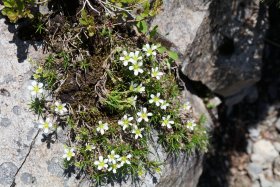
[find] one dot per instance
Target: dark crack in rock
(7, 172)
(5, 122)
(27, 178)
(4, 92)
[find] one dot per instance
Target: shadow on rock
(231, 135)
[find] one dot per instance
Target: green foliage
(100, 90)
(37, 105)
(17, 9)
(87, 21)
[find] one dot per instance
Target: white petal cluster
(150, 50)
(156, 99)
(166, 122)
(46, 125)
(143, 115)
(125, 122)
(156, 73)
(102, 127)
(68, 153)
(60, 108)
(191, 124)
(36, 88)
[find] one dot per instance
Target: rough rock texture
(27, 158)
(18, 127)
(220, 42)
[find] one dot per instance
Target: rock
(242, 181)
(179, 21)
(27, 178)
(249, 147)
(220, 44)
(254, 133)
(5, 122)
(17, 110)
(256, 158)
(276, 166)
(254, 170)
(275, 184)
(256, 184)
(55, 166)
(265, 149)
(7, 173)
(277, 146)
(277, 125)
(264, 182)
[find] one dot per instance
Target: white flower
(101, 163)
(125, 58)
(150, 50)
(187, 106)
(137, 88)
(137, 132)
(143, 115)
(39, 70)
(125, 122)
(90, 147)
(36, 88)
(156, 99)
(45, 125)
(134, 57)
(132, 100)
(191, 124)
(125, 159)
(164, 105)
(102, 127)
(166, 122)
(68, 153)
(114, 167)
(156, 73)
(60, 108)
(136, 67)
(112, 157)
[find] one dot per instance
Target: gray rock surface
(254, 170)
(265, 149)
(220, 43)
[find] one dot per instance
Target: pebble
(55, 168)
(277, 146)
(265, 149)
(254, 133)
(276, 166)
(277, 125)
(5, 122)
(16, 110)
(27, 178)
(264, 182)
(254, 170)
(7, 172)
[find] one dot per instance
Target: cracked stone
(54, 167)
(16, 110)
(27, 178)
(7, 172)
(5, 122)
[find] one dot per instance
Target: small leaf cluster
(17, 9)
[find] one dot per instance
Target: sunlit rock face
(220, 43)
